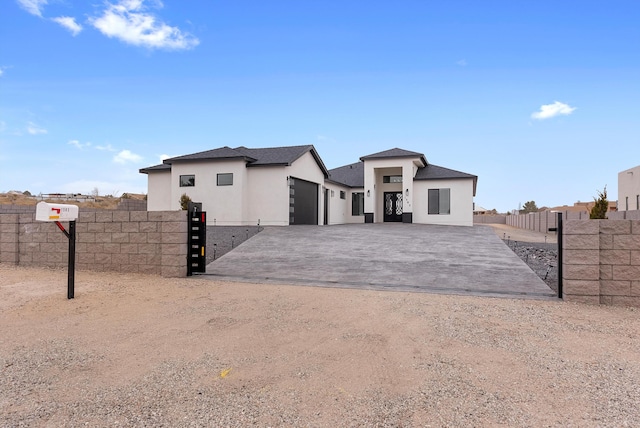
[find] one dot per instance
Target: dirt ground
(522, 235)
(137, 350)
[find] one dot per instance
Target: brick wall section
(601, 262)
(490, 219)
(624, 215)
(121, 241)
(9, 238)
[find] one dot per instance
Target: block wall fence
(543, 221)
(120, 241)
(601, 262)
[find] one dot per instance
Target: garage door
(303, 202)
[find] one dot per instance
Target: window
(343, 195)
(392, 179)
(638, 202)
(626, 203)
(225, 179)
(187, 180)
(439, 201)
(357, 203)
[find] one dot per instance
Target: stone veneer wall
(121, 241)
(601, 262)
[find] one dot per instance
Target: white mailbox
(56, 212)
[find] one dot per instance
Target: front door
(392, 206)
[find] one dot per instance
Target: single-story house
(290, 185)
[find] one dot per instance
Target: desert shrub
(184, 201)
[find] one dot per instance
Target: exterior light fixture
(368, 193)
(407, 192)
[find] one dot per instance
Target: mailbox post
(63, 212)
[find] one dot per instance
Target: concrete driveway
(398, 257)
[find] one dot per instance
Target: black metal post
(559, 234)
(72, 260)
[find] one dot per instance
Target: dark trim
(368, 217)
(560, 256)
(407, 217)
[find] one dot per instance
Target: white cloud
(1, 71)
(129, 22)
(34, 7)
(3, 126)
(163, 157)
(462, 63)
(107, 148)
(77, 144)
(547, 111)
(69, 23)
(34, 129)
(126, 156)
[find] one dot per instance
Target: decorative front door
(392, 206)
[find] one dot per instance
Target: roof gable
(395, 153)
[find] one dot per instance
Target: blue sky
(540, 99)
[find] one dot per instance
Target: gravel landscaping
(541, 258)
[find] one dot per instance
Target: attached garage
(303, 202)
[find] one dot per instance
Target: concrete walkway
(399, 257)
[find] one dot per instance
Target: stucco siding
(223, 204)
(375, 170)
(159, 191)
(461, 202)
(629, 189)
(268, 193)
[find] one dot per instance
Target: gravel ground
(139, 350)
(541, 258)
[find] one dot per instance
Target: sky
(539, 99)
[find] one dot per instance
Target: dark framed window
(392, 179)
(225, 179)
(638, 202)
(357, 203)
(343, 194)
(187, 180)
(439, 201)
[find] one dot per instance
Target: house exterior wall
(224, 205)
(461, 200)
(159, 191)
(268, 191)
(340, 211)
(629, 189)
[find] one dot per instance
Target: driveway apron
(396, 257)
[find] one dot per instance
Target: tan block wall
(120, 241)
(601, 261)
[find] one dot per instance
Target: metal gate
(197, 240)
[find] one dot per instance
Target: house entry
(393, 206)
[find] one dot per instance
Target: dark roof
(161, 167)
(275, 155)
(348, 175)
(395, 153)
(269, 156)
(218, 154)
(435, 172)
